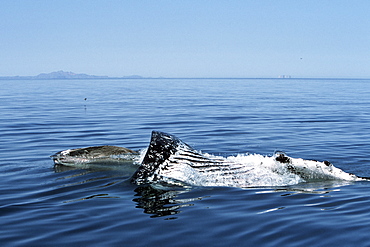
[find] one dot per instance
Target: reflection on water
(82, 173)
(318, 188)
(159, 203)
(92, 197)
(154, 201)
(164, 203)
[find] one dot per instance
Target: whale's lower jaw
(168, 160)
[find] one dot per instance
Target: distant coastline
(65, 75)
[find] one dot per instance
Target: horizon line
(161, 77)
(69, 75)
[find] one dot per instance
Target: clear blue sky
(246, 38)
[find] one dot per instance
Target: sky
(191, 38)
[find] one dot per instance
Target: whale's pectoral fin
(161, 147)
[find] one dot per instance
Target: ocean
(46, 205)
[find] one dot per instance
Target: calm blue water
(312, 119)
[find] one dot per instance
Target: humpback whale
(170, 161)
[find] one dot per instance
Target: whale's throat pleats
(171, 161)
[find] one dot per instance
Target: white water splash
(255, 170)
(267, 171)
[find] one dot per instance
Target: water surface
(312, 119)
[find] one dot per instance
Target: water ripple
(313, 119)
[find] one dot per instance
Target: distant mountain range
(64, 75)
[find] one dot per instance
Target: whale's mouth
(171, 161)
